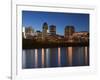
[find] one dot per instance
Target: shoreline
(30, 44)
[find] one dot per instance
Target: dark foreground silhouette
(31, 44)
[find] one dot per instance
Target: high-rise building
(52, 29)
(23, 32)
(69, 30)
(44, 30)
(29, 30)
(39, 34)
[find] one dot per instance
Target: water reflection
(70, 56)
(55, 57)
(86, 56)
(36, 58)
(59, 59)
(47, 58)
(43, 57)
(23, 59)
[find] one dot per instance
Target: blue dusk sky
(36, 19)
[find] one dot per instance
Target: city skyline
(60, 20)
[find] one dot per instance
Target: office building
(68, 31)
(52, 29)
(44, 30)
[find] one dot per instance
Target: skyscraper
(44, 30)
(52, 29)
(23, 32)
(29, 30)
(69, 30)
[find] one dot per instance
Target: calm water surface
(55, 57)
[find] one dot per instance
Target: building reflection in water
(55, 57)
(43, 55)
(69, 55)
(86, 56)
(47, 58)
(59, 57)
(36, 58)
(23, 59)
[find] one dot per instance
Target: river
(55, 57)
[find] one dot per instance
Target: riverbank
(31, 44)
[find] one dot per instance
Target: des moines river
(55, 57)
